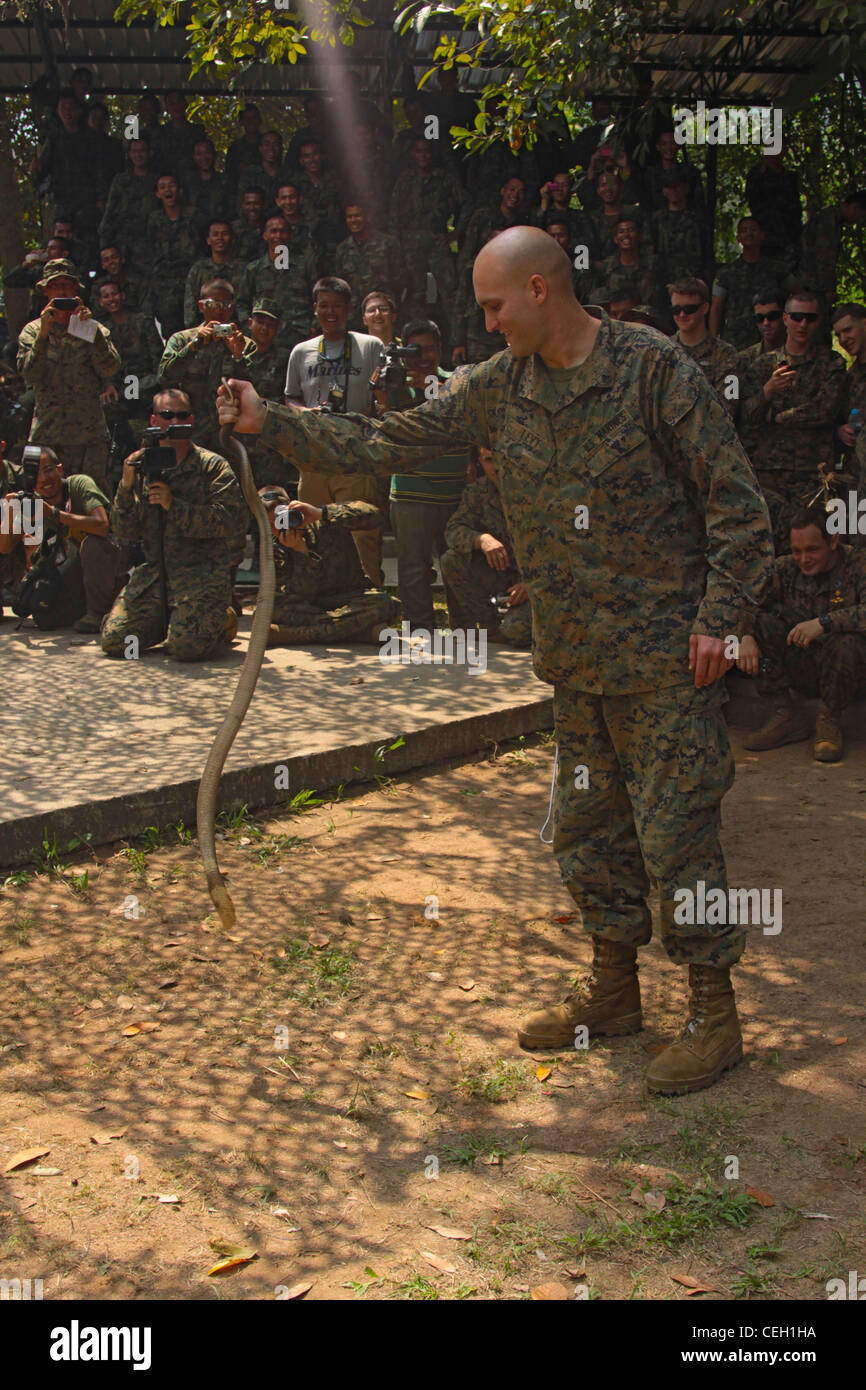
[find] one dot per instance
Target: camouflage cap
(269, 307)
(54, 270)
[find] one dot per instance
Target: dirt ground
(338, 1077)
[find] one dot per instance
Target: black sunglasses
(686, 309)
(773, 316)
(173, 414)
(809, 318)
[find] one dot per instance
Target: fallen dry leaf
(656, 1201)
(545, 1293)
(147, 1026)
(103, 1136)
(232, 1256)
(123, 1001)
(21, 1160)
(576, 1273)
(417, 1095)
(837, 1042)
(435, 976)
(438, 1263)
(816, 1216)
(318, 939)
(762, 1198)
(46, 1172)
(296, 1291)
(543, 1073)
(339, 1144)
(692, 1285)
(466, 985)
(450, 1232)
(166, 984)
(565, 917)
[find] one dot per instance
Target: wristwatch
(826, 622)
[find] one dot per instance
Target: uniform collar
(598, 370)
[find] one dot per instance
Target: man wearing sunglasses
(791, 401)
(768, 307)
(188, 520)
(690, 304)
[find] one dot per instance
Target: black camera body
(392, 360)
(158, 460)
(30, 469)
(335, 404)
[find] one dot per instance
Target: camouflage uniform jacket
(207, 508)
(375, 264)
(199, 274)
(208, 197)
(199, 371)
(331, 576)
(681, 242)
(675, 539)
(68, 375)
(248, 242)
(292, 289)
(840, 593)
(479, 512)
(423, 205)
(140, 348)
(131, 200)
(644, 280)
(718, 360)
(173, 244)
(736, 283)
(267, 372)
(794, 431)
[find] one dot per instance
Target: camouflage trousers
(787, 491)
(91, 459)
(353, 621)
(470, 584)
(639, 786)
(197, 616)
(833, 667)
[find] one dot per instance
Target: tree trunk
(11, 228)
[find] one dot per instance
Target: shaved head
(523, 283)
(518, 253)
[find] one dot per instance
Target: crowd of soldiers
(164, 273)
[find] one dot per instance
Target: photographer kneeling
(77, 568)
(185, 505)
(321, 594)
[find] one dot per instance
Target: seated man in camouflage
(84, 563)
(189, 520)
(478, 566)
(810, 635)
(321, 587)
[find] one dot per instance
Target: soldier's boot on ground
(787, 724)
(607, 1004)
(230, 631)
(89, 622)
(711, 1040)
(829, 745)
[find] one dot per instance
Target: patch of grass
(317, 975)
(303, 801)
(17, 880)
(418, 1287)
(692, 1212)
(21, 925)
(498, 1084)
(473, 1147)
(380, 1049)
(273, 845)
(79, 883)
(136, 859)
(751, 1280)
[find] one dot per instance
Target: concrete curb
(123, 817)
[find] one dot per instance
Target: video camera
(392, 359)
(30, 460)
(154, 464)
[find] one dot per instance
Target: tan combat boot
(829, 744)
(711, 1041)
(787, 724)
(607, 1004)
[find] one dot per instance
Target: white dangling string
(550, 805)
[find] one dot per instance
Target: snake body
(227, 731)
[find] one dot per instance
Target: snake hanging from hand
(225, 735)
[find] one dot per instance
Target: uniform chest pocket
(619, 447)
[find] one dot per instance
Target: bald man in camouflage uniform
(322, 593)
(68, 375)
(641, 536)
(202, 509)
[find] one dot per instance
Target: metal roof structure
(772, 53)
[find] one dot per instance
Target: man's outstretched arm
(401, 442)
